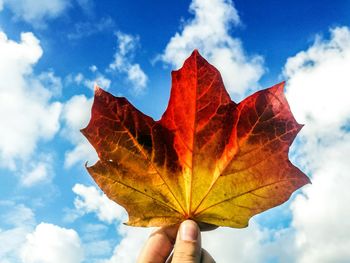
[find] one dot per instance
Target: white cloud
(13, 238)
(122, 63)
(27, 108)
(90, 200)
(323, 233)
(95, 243)
(209, 32)
(76, 115)
(82, 153)
(36, 12)
(1, 5)
(24, 242)
(78, 78)
(20, 220)
(99, 79)
(244, 245)
(137, 76)
(50, 81)
(133, 239)
(50, 244)
(98, 248)
(17, 215)
(39, 172)
(317, 83)
(93, 68)
(319, 97)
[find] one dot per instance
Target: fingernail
(189, 231)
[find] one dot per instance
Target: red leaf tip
(96, 88)
(195, 52)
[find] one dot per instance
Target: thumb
(188, 243)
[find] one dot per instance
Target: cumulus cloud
(322, 231)
(81, 153)
(49, 243)
(90, 200)
(13, 238)
(51, 82)
(319, 76)
(131, 244)
(99, 79)
(36, 12)
(38, 172)
(209, 32)
(122, 63)
(244, 245)
(76, 115)
(27, 107)
(98, 249)
(96, 243)
(22, 241)
(20, 221)
(318, 94)
(93, 68)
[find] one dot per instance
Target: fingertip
(188, 243)
(189, 231)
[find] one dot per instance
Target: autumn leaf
(207, 159)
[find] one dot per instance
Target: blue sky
(51, 53)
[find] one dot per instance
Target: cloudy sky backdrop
(52, 53)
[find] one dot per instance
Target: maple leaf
(207, 159)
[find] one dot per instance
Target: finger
(159, 245)
(206, 257)
(188, 243)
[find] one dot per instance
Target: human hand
(185, 240)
